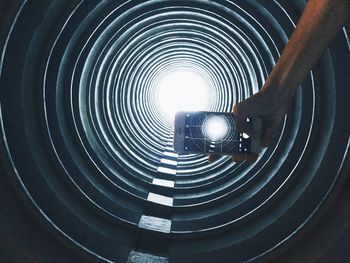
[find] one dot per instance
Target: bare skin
(318, 25)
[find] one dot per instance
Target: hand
(318, 25)
(271, 103)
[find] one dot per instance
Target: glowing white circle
(215, 128)
(182, 90)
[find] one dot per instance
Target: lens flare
(215, 128)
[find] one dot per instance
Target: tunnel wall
(76, 187)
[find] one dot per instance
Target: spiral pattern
(86, 141)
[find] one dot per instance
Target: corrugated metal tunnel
(87, 144)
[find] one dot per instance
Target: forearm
(318, 25)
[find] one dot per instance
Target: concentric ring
(84, 137)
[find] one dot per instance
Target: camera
(213, 133)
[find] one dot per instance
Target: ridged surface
(84, 136)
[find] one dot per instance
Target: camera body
(213, 133)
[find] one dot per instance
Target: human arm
(318, 25)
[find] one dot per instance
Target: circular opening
(181, 90)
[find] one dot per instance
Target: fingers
(251, 158)
(267, 137)
(270, 127)
(213, 158)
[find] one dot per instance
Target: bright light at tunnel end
(181, 90)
